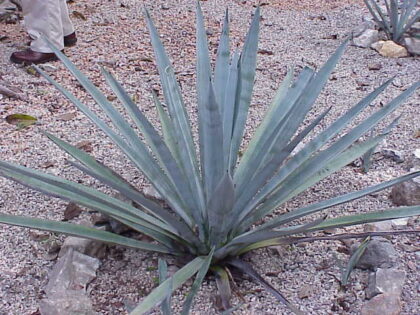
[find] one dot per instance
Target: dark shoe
(70, 40)
(29, 57)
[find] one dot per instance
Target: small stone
(416, 26)
(85, 145)
(72, 210)
(67, 116)
(379, 253)
(115, 226)
(366, 38)
(382, 304)
(413, 45)
(406, 193)
(299, 147)
(305, 292)
(385, 280)
(375, 66)
(39, 236)
(392, 50)
(394, 155)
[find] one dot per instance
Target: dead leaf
(332, 36)
(111, 98)
(85, 145)
(67, 116)
(12, 93)
(21, 120)
(417, 133)
(39, 236)
(146, 59)
(79, 15)
(265, 52)
(72, 211)
(48, 164)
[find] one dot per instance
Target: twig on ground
(297, 240)
(12, 94)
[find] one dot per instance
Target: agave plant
(214, 200)
(397, 20)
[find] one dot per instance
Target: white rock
(393, 50)
(48, 67)
(379, 226)
(399, 223)
(366, 39)
(417, 153)
(413, 45)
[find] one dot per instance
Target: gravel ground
(114, 35)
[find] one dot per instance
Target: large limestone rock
(73, 271)
(392, 50)
(69, 304)
(66, 289)
(385, 280)
(366, 38)
(378, 254)
(382, 304)
(406, 193)
(413, 45)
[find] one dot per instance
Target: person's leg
(70, 38)
(43, 17)
(68, 27)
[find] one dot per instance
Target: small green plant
(398, 19)
(354, 259)
(215, 199)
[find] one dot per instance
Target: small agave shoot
(215, 199)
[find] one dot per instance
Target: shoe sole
(27, 63)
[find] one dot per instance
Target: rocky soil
(113, 34)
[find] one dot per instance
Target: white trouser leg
(68, 27)
(43, 17)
